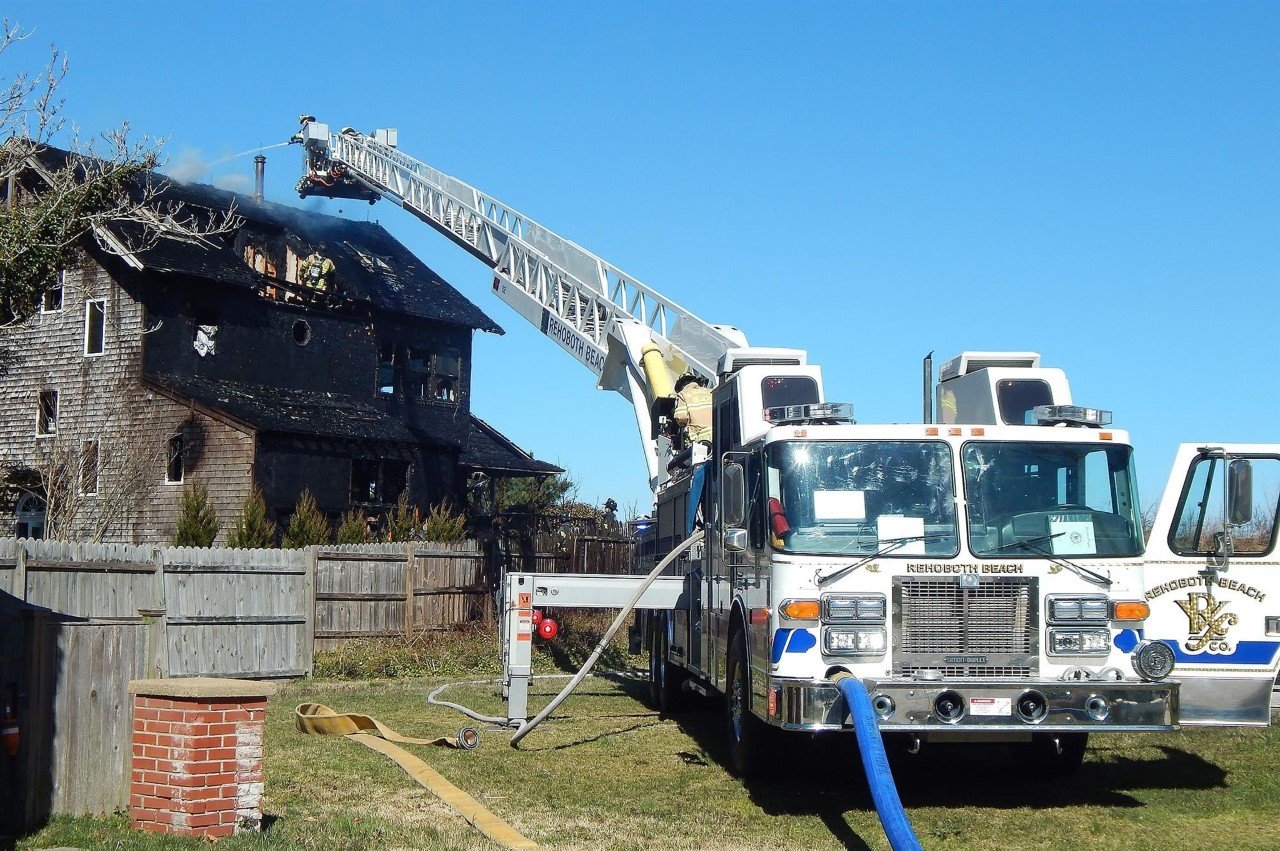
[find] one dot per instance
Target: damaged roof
(489, 449)
(371, 265)
(308, 413)
(287, 411)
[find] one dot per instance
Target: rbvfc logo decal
(1207, 623)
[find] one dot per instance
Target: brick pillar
(197, 755)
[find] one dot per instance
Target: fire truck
(983, 573)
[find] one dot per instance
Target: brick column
(197, 755)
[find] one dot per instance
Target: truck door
(1212, 579)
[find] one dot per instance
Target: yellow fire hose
(318, 719)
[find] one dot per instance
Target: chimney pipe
(259, 169)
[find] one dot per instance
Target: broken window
(386, 369)
(417, 375)
(47, 413)
(448, 368)
(89, 468)
(174, 459)
(258, 260)
(377, 481)
(51, 299)
(95, 327)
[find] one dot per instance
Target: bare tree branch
(106, 189)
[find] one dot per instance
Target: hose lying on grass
(318, 719)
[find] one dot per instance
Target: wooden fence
(78, 621)
(363, 592)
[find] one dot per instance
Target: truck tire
(744, 729)
(1046, 758)
(666, 681)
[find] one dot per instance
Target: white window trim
(57, 404)
(102, 302)
(62, 301)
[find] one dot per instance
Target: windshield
(1039, 499)
(862, 497)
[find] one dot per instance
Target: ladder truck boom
(603, 317)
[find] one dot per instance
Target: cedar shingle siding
(200, 343)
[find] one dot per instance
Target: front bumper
(988, 705)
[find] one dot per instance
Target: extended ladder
(581, 301)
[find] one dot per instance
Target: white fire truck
(984, 575)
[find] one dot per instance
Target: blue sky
(1099, 182)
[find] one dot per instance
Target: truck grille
(989, 630)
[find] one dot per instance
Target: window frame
(102, 333)
(180, 456)
(52, 429)
(1188, 480)
(60, 289)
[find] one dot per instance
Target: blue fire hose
(876, 764)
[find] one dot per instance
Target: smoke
(188, 166)
(234, 181)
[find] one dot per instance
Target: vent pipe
(259, 171)
(928, 388)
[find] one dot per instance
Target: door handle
(1273, 624)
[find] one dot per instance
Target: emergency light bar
(840, 412)
(1071, 415)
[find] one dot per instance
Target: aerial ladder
(606, 319)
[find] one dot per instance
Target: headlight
(1080, 641)
(1079, 609)
(854, 641)
(853, 607)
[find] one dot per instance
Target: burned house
(212, 359)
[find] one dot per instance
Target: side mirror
(734, 495)
(1239, 492)
(735, 540)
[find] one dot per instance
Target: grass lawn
(608, 773)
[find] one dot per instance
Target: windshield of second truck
(1036, 500)
(860, 497)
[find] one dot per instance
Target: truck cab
(983, 575)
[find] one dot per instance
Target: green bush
(197, 523)
(402, 522)
(443, 524)
(253, 529)
(354, 528)
(308, 525)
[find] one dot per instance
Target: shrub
(253, 528)
(197, 523)
(402, 522)
(443, 524)
(307, 526)
(354, 528)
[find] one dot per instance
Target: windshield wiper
(1029, 542)
(1079, 570)
(887, 546)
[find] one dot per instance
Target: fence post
(410, 581)
(311, 564)
(156, 618)
(20, 573)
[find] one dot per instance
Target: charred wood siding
(100, 398)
